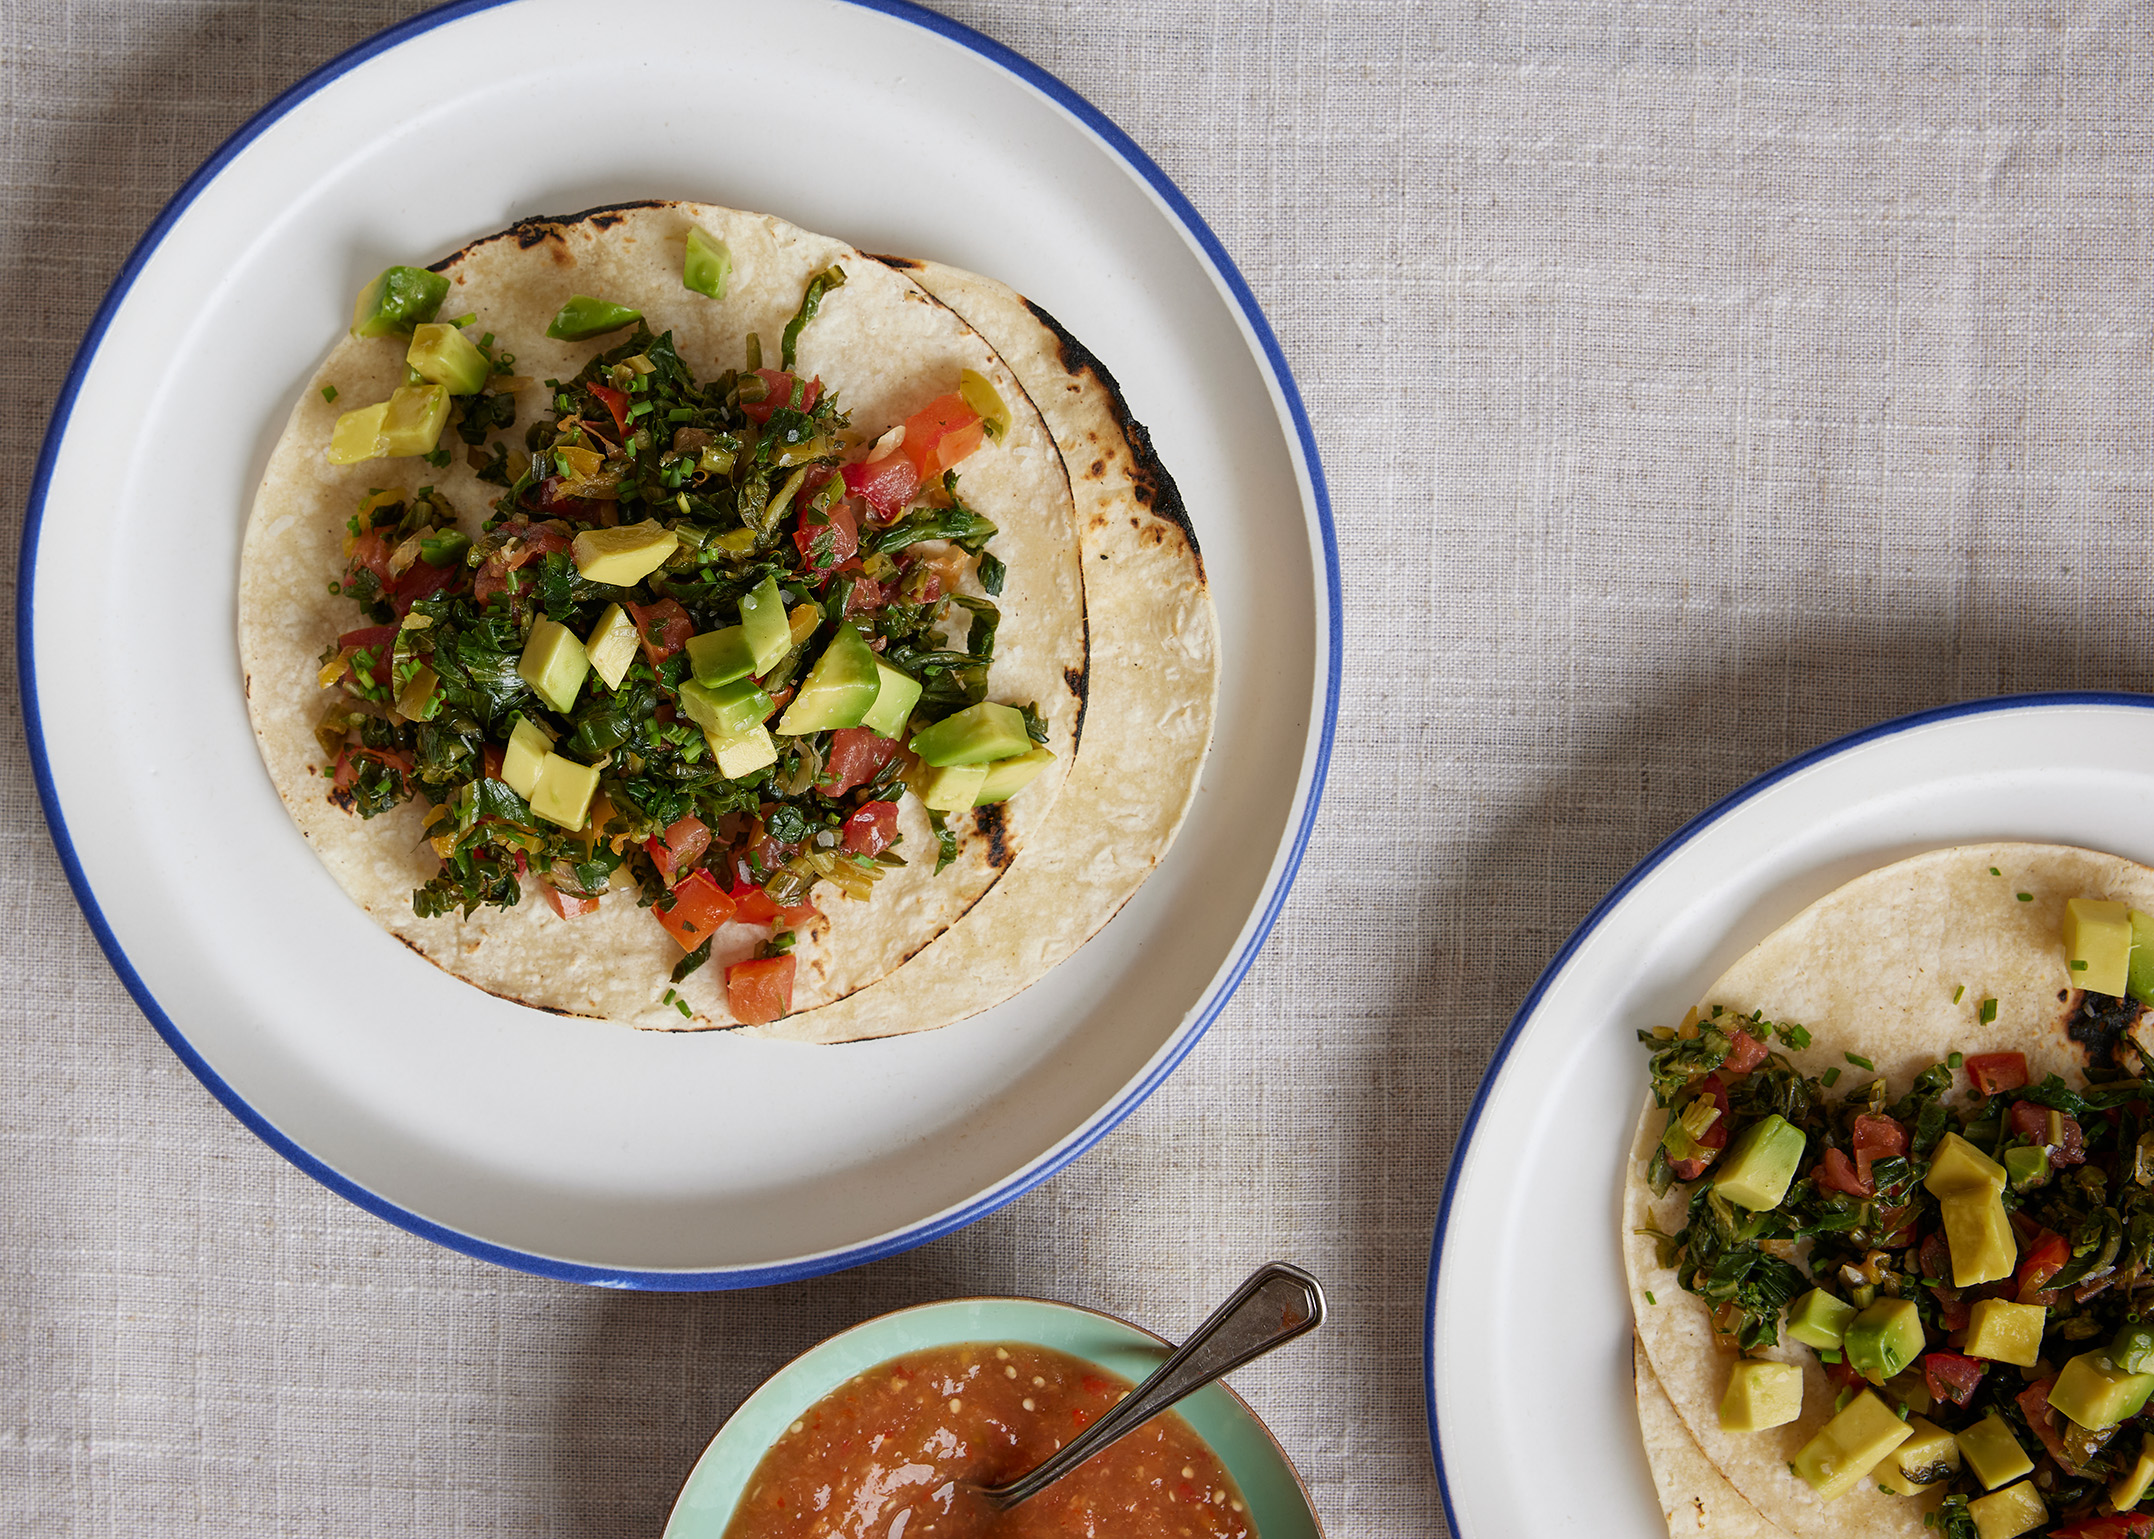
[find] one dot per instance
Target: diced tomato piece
(1842, 1375)
(378, 638)
(1876, 1138)
(1714, 1138)
(349, 760)
(1895, 1226)
(682, 843)
(370, 553)
(1837, 1174)
(566, 904)
(1951, 1376)
(615, 402)
(1744, 1054)
(700, 906)
(885, 486)
(546, 497)
(2042, 1418)
(1935, 1256)
(2031, 1122)
(857, 756)
(2111, 1525)
(830, 544)
(781, 394)
(871, 828)
(422, 579)
(939, 435)
(761, 990)
(1994, 1072)
(2039, 1262)
(492, 757)
(752, 905)
(1953, 1312)
(866, 594)
(791, 916)
(664, 627)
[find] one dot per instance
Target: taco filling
(1933, 1279)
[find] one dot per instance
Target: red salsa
(887, 1454)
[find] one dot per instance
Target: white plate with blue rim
(570, 1148)
(1532, 1415)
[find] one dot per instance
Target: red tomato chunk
(1744, 1054)
(886, 486)
(857, 756)
(682, 843)
(699, 908)
(872, 829)
(760, 991)
(1994, 1072)
(939, 435)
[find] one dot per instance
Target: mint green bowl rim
(1278, 1502)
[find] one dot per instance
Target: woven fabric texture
(1696, 383)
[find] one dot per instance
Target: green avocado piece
(2132, 1348)
(706, 265)
(720, 657)
(952, 788)
(584, 317)
(1992, 1452)
(2096, 1393)
(563, 792)
(1819, 1320)
(1006, 777)
(2139, 975)
(1850, 1445)
(414, 420)
(1760, 1164)
(398, 299)
(839, 690)
(900, 692)
(554, 664)
(447, 357)
(728, 711)
(1883, 1339)
(979, 734)
(764, 622)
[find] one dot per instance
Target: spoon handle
(1276, 1304)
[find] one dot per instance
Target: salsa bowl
(1278, 1503)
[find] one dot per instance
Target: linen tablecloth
(1695, 383)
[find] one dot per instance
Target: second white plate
(1529, 1328)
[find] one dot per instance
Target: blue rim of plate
(1601, 910)
(1192, 223)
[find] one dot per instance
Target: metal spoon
(1276, 1304)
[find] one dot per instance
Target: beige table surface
(1696, 383)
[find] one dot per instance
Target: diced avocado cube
(450, 359)
(742, 756)
(414, 420)
(1883, 1339)
(1761, 1395)
(1006, 777)
(398, 299)
(727, 711)
(720, 657)
(979, 734)
(553, 664)
(2005, 1332)
(894, 701)
(2132, 1348)
(584, 317)
(1758, 1166)
(838, 691)
(2130, 1487)
(1928, 1458)
(1980, 1237)
(2008, 1513)
(1992, 1452)
(1819, 1320)
(1958, 1166)
(1851, 1445)
(763, 621)
(563, 792)
(2098, 944)
(357, 435)
(952, 788)
(706, 265)
(528, 746)
(2025, 1166)
(612, 644)
(624, 556)
(2096, 1393)
(2139, 980)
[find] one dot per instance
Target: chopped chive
(2078, 966)
(1831, 1076)
(1993, 871)
(1956, 993)
(1955, 1060)
(2026, 897)
(1989, 1011)
(1859, 1061)
(1649, 1297)
(329, 392)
